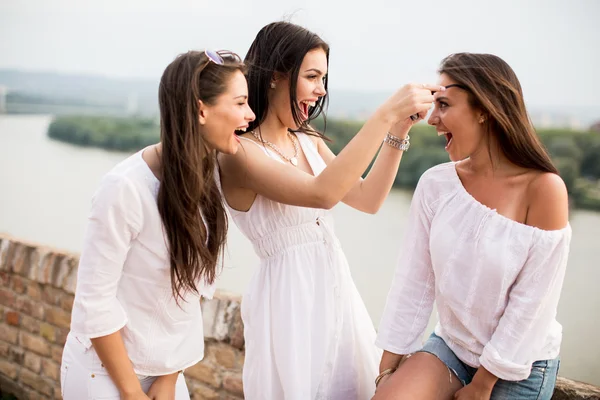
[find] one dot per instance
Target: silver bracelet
(396, 142)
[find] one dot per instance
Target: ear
(482, 117)
(277, 76)
(276, 79)
(202, 112)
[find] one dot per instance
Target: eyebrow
(458, 85)
(243, 96)
(318, 71)
(443, 98)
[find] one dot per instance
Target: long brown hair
(493, 87)
(188, 191)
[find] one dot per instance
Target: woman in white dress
(308, 334)
(488, 242)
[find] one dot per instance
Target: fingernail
(443, 88)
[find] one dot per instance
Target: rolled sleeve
(411, 296)
(114, 222)
(531, 308)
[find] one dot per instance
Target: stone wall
(36, 296)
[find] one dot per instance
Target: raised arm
(249, 169)
(368, 194)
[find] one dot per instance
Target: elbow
(328, 204)
(325, 201)
(372, 207)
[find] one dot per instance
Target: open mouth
(241, 129)
(448, 136)
(305, 107)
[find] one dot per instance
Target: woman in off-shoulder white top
(489, 241)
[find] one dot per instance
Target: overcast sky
(553, 45)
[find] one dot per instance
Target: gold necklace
(292, 160)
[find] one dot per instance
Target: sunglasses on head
(214, 57)
(414, 117)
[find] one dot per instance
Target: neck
(272, 129)
(488, 159)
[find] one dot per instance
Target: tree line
(575, 153)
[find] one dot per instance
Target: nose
(250, 115)
(434, 118)
(320, 90)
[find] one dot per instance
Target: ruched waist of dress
(287, 238)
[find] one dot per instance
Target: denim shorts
(538, 386)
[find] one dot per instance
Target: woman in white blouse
(489, 240)
(155, 232)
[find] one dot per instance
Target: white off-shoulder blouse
(496, 282)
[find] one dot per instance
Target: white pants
(82, 376)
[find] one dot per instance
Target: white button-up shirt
(124, 280)
(496, 282)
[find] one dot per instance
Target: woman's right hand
(409, 100)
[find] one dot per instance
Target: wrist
(386, 116)
(400, 130)
(396, 142)
(484, 379)
(384, 374)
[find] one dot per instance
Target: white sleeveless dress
(308, 334)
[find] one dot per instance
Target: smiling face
(456, 119)
(229, 113)
(310, 86)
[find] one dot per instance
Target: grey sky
(554, 46)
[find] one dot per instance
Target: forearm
(111, 351)
(342, 173)
(390, 361)
(370, 193)
(484, 379)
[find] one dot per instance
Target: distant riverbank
(575, 153)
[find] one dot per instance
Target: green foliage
(112, 133)
(576, 153)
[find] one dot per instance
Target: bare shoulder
(548, 202)
(231, 165)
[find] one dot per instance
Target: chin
(231, 149)
(234, 149)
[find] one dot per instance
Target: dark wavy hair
(494, 88)
(188, 192)
(281, 47)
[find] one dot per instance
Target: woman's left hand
(473, 391)
(163, 388)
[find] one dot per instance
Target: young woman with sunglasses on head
(489, 241)
(308, 334)
(154, 237)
